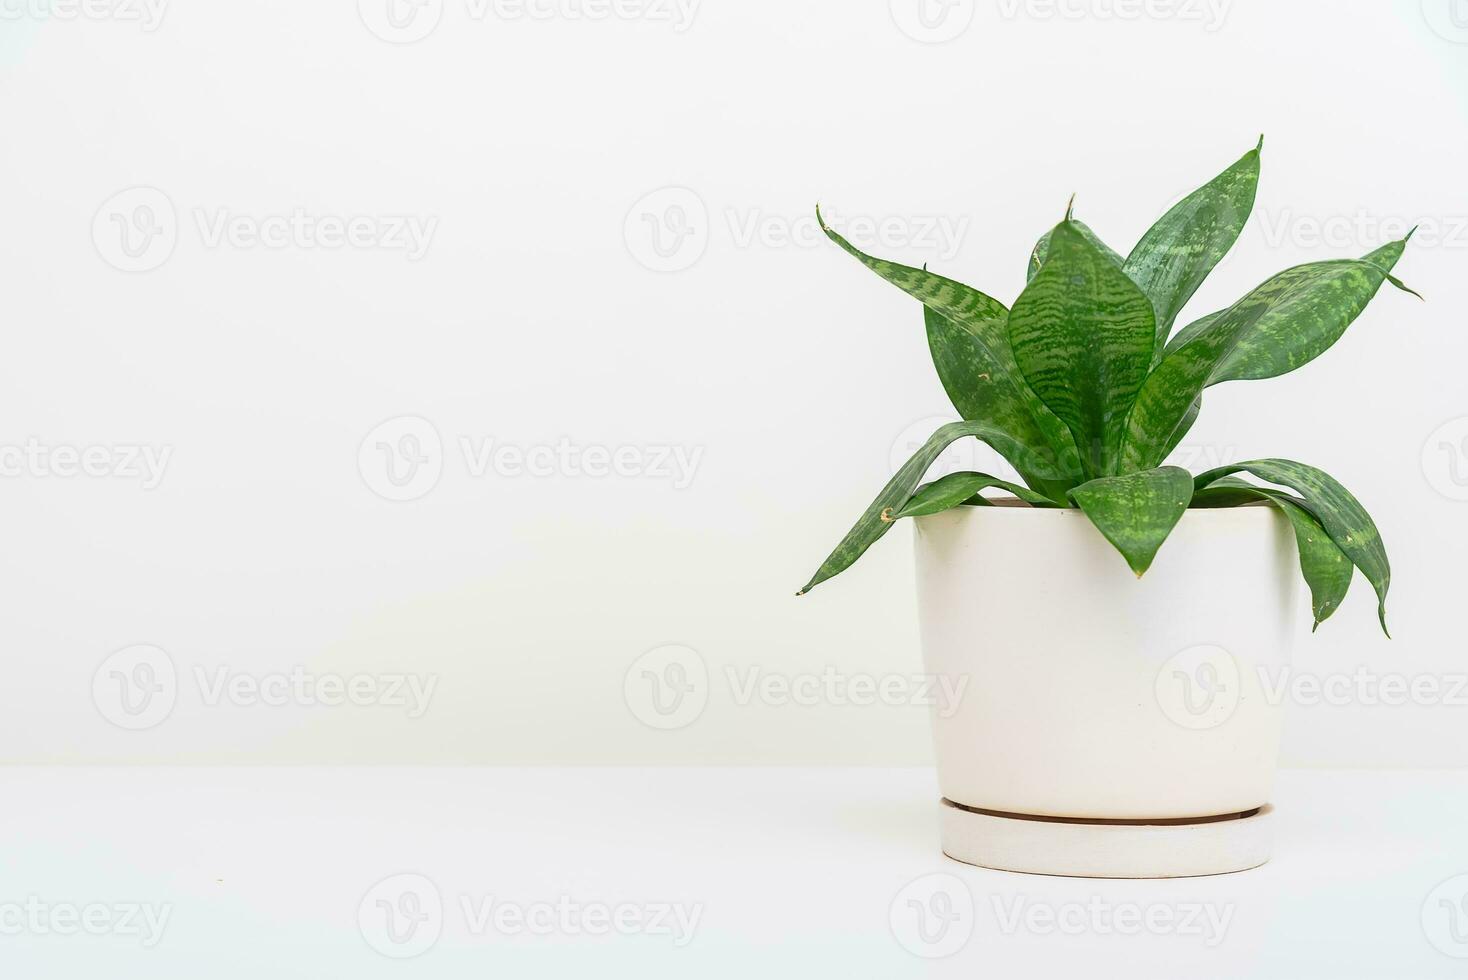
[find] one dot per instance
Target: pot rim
(1015, 504)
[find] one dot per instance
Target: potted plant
(1116, 725)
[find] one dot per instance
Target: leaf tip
(821, 220)
(1260, 145)
(1408, 237)
(1404, 287)
(1070, 206)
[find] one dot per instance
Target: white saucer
(1107, 849)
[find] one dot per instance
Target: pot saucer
(1107, 848)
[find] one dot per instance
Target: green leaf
(877, 518)
(981, 387)
(1283, 323)
(982, 314)
(1137, 512)
(1177, 253)
(1082, 335)
(1306, 321)
(969, 341)
(1342, 516)
(1228, 491)
(1181, 432)
(962, 488)
(1174, 386)
(1325, 567)
(1042, 249)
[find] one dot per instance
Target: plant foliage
(1085, 388)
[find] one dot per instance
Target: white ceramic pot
(1091, 695)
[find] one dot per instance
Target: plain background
(622, 257)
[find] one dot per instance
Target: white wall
(523, 150)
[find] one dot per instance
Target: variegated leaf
(963, 488)
(1341, 514)
(1177, 253)
(1283, 323)
(968, 339)
(1181, 431)
(1042, 249)
(877, 518)
(1082, 335)
(1137, 512)
(1286, 339)
(1326, 568)
(982, 314)
(981, 387)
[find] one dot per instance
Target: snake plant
(1084, 387)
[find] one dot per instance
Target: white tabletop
(682, 873)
